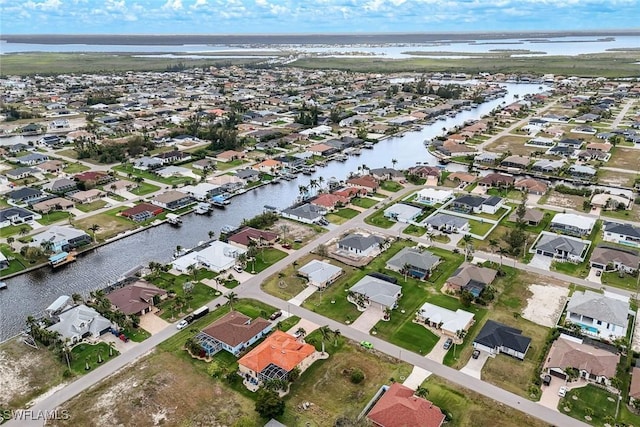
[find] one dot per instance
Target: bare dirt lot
(512, 143)
(565, 200)
(546, 303)
(616, 178)
(625, 158)
(293, 231)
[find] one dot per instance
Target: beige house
(87, 196)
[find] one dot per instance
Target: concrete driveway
(474, 366)
(306, 293)
(549, 397)
(368, 319)
(416, 378)
(593, 277)
(152, 323)
(307, 325)
(119, 345)
(541, 261)
(438, 352)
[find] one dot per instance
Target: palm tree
(301, 332)
(23, 231)
(326, 332)
(336, 335)
(394, 162)
(405, 270)
(94, 228)
(47, 246)
(313, 184)
(232, 298)
(493, 244)
(502, 251)
(285, 228)
(10, 241)
(211, 234)
(320, 180)
(421, 392)
(193, 270)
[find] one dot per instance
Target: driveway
(119, 345)
(541, 261)
(593, 277)
(307, 325)
(152, 323)
(474, 366)
(438, 352)
(368, 319)
(416, 378)
(306, 293)
(549, 397)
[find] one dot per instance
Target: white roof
(79, 320)
(319, 271)
(403, 212)
(377, 290)
(57, 233)
(580, 221)
(432, 193)
(58, 303)
(219, 256)
(452, 321)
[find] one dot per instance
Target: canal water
(31, 293)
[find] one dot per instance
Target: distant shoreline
(331, 38)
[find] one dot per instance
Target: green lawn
(137, 334)
(75, 168)
(363, 202)
(627, 281)
(265, 258)
(347, 213)
(16, 263)
(601, 402)
(288, 323)
(478, 227)
(582, 269)
(332, 302)
(144, 188)
(110, 224)
(496, 216)
(390, 186)
(52, 217)
(414, 230)
(229, 165)
(199, 295)
(93, 206)
(378, 219)
(14, 229)
(129, 170)
(335, 219)
(83, 354)
(287, 284)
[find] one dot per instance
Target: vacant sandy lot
(513, 144)
(545, 305)
(291, 230)
(565, 200)
(624, 158)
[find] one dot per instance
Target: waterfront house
(471, 278)
(62, 238)
(561, 248)
(515, 162)
(31, 159)
(172, 200)
(496, 180)
(582, 172)
(141, 212)
(202, 191)
(366, 182)
(80, 322)
(486, 159)
(86, 196)
(614, 259)
(623, 234)
(596, 364)
(136, 298)
(234, 333)
(424, 171)
(548, 166)
(329, 201)
(462, 178)
(448, 322)
(599, 315)
(248, 175)
(496, 338)
(370, 290)
(24, 195)
(384, 174)
(414, 262)
(307, 213)
(269, 166)
(320, 273)
(531, 186)
(572, 224)
(360, 245)
(275, 358)
(321, 149)
(217, 257)
(246, 235)
(400, 407)
(431, 196)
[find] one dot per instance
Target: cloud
(172, 5)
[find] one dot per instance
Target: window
(599, 322)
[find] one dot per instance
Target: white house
(600, 315)
(201, 191)
(217, 257)
(450, 322)
(320, 274)
(360, 245)
(623, 234)
(431, 196)
(572, 224)
(372, 290)
(80, 322)
(402, 213)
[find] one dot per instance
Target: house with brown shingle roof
(230, 155)
(233, 332)
(136, 298)
(400, 407)
(531, 186)
(462, 178)
(634, 389)
(275, 358)
(249, 234)
(471, 278)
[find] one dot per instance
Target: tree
(521, 211)
(232, 298)
(269, 404)
(493, 244)
(357, 376)
(422, 392)
(193, 271)
(394, 162)
(406, 267)
(301, 332)
(326, 332)
(336, 335)
(93, 229)
(10, 241)
(23, 231)
(211, 234)
(47, 246)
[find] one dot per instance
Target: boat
(306, 171)
(341, 157)
(3, 285)
(174, 219)
(202, 208)
(219, 201)
(275, 180)
(356, 152)
(367, 145)
(62, 258)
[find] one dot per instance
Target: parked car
(286, 246)
(182, 324)
(562, 391)
(238, 268)
(275, 315)
(448, 343)
(366, 344)
(598, 273)
(475, 354)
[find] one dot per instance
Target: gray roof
(358, 241)
(599, 307)
(20, 171)
(623, 229)
(423, 260)
(62, 183)
(494, 335)
(440, 219)
(307, 211)
(247, 173)
(13, 211)
(318, 271)
(32, 157)
(79, 320)
(468, 199)
(582, 169)
(23, 193)
(551, 242)
(377, 290)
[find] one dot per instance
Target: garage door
(558, 374)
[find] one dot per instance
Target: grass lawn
(332, 302)
(129, 169)
(363, 202)
(327, 383)
(347, 213)
(229, 165)
(200, 295)
(379, 220)
(75, 168)
(288, 323)
(496, 216)
(52, 217)
(265, 258)
(601, 402)
(287, 284)
(335, 219)
(88, 354)
(581, 269)
(14, 229)
(137, 334)
(16, 261)
(629, 215)
(414, 230)
(470, 409)
(478, 227)
(627, 281)
(392, 186)
(144, 188)
(93, 206)
(110, 225)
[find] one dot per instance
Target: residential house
(329, 201)
(246, 235)
(21, 173)
(576, 144)
(496, 180)
(203, 164)
(634, 389)
(541, 141)
(471, 278)
(615, 259)
(360, 245)
(171, 171)
(370, 290)
(217, 257)
(234, 333)
(366, 182)
(148, 163)
(496, 338)
(80, 322)
(248, 175)
(172, 200)
(96, 177)
(548, 166)
(136, 298)
(399, 407)
(447, 223)
(269, 166)
(431, 196)
(201, 191)
(402, 212)
(321, 149)
(4, 262)
(32, 159)
(582, 172)
(120, 186)
(561, 248)
(15, 215)
(601, 315)
(142, 212)
(24, 195)
(320, 273)
(275, 358)
(572, 224)
(307, 213)
(60, 186)
(531, 186)
(610, 202)
(531, 216)
(86, 196)
(414, 262)
(386, 174)
(61, 238)
(486, 159)
(51, 166)
(597, 364)
(174, 156)
(424, 171)
(624, 234)
(470, 204)
(449, 322)
(462, 178)
(518, 163)
(561, 151)
(229, 183)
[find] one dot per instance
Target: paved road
(251, 289)
(621, 115)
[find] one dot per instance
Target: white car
(238, 268)
(182, 324)
(562, 391)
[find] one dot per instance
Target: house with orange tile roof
(230, 155)
(275, 358)
(400, 407)
(330, 201)
(268, 166)
(366, 182)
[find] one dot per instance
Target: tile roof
(235, 328)
(398, 407)
(136, 297)
(280, 349)
(567, 353)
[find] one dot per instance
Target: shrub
(357, 376)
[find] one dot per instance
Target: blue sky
(311, 16)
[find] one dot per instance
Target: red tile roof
(90, 176)
(281, 349)
(398, 407)
(364, 181)
(142, 207)
(329, 200)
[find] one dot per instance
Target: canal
(31, 293)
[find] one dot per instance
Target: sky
(311, 16)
